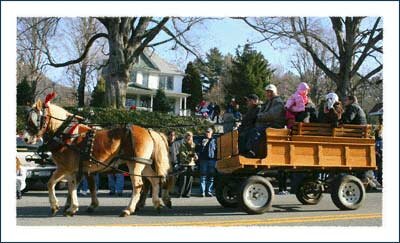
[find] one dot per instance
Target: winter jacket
(332, 115)
(174, 151)
(207, 149)
(354, 114)
(249, 119)
(297, 102)
(272, 114)
(187, 154)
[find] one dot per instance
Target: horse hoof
(54, 212)
(69, 214)
(168, 204)
(124, 213)
(158, 210)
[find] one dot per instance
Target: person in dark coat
(216, 113)
(353, 113)
(331, 111)
(207, 151)
(248, 123)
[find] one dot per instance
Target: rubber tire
(248, 208)
(221, 189)
(303, 198)
(337, 186)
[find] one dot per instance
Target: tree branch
(87, 48)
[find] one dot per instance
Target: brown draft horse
(134, 145)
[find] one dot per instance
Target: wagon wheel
(309, 192)
(256, 195)
(348, 192)
(226, 193)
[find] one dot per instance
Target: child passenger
(296, 104)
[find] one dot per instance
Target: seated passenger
(332, 110)
(248, 122)
(296, 104)
(353, 113)
(272, 114)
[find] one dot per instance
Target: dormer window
(166, 83)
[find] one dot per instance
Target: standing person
(353, 113)
(248, 123)
(228, 121)
(116, 183)
(187, 159)
(210, 108)
(296, 105)
(174, 146)
(378, 149)
(207, 151)
(216, 113)
(83, 186)
(21, 177)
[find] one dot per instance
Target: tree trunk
(82, 85)
(116, 91)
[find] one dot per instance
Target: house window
(166, 83)
(145, 80)
(170, 83)
(133, 77)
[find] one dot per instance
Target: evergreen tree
(250, 73)
(211, 69)
(24, 92)
(98, 94)
(161, 102)
(191, 84)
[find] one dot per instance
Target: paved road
(33, 210)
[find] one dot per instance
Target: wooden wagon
(307, 148)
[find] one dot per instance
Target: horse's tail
(161, 154)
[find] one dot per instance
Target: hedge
(109, 117)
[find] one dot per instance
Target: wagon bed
(313, 146)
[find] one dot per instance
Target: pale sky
(225, 34)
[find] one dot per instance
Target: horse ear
(39, 105)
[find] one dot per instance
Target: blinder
(36, 121)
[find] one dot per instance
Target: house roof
(376, 110)
(159, 64)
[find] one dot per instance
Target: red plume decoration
(49, 97)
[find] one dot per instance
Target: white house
(152, 73)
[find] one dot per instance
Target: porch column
(180, 106)
(137, 100)
(151, 102)
(184, 105)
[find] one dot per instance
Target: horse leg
(155, 184)
(74, 207)
(143, 194)
(137, 184)
(54, 179)
(68, 201)
(167, 186)
(93, 193)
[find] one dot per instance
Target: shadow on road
(176, 211)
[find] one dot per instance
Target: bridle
(38, 121)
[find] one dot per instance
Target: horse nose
(26, 140)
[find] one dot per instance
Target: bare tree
(32, 35)
(310, 73)
(127, 37)
(81, 74)
(357, 39)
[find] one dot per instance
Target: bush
(109, 117)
